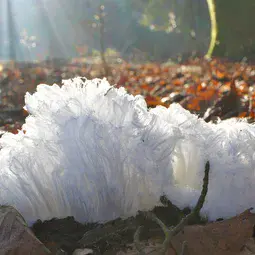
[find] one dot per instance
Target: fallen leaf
(218, 238)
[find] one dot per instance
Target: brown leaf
(15, 236)
(226, 237)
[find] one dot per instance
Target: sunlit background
(40, 29)
(138, 44)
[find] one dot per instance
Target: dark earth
(68, 234)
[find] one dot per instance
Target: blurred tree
(160, 15)
(235, 21)
(186, 21)
(231, 23)
(97, 23)
(12, 33)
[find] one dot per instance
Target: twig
(137, 243)
(110, 89)
(101, 16)
(170, 233)
(184, 246)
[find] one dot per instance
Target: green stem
(214, 29)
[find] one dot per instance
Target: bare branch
(184, 246)
(137, 243)
(170, 233)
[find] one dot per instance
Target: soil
(109, 238)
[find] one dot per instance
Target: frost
(95, 152)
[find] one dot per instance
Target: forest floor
(234, 236)
(211, 89)
(109, 238)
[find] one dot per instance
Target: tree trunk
(235, 25)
